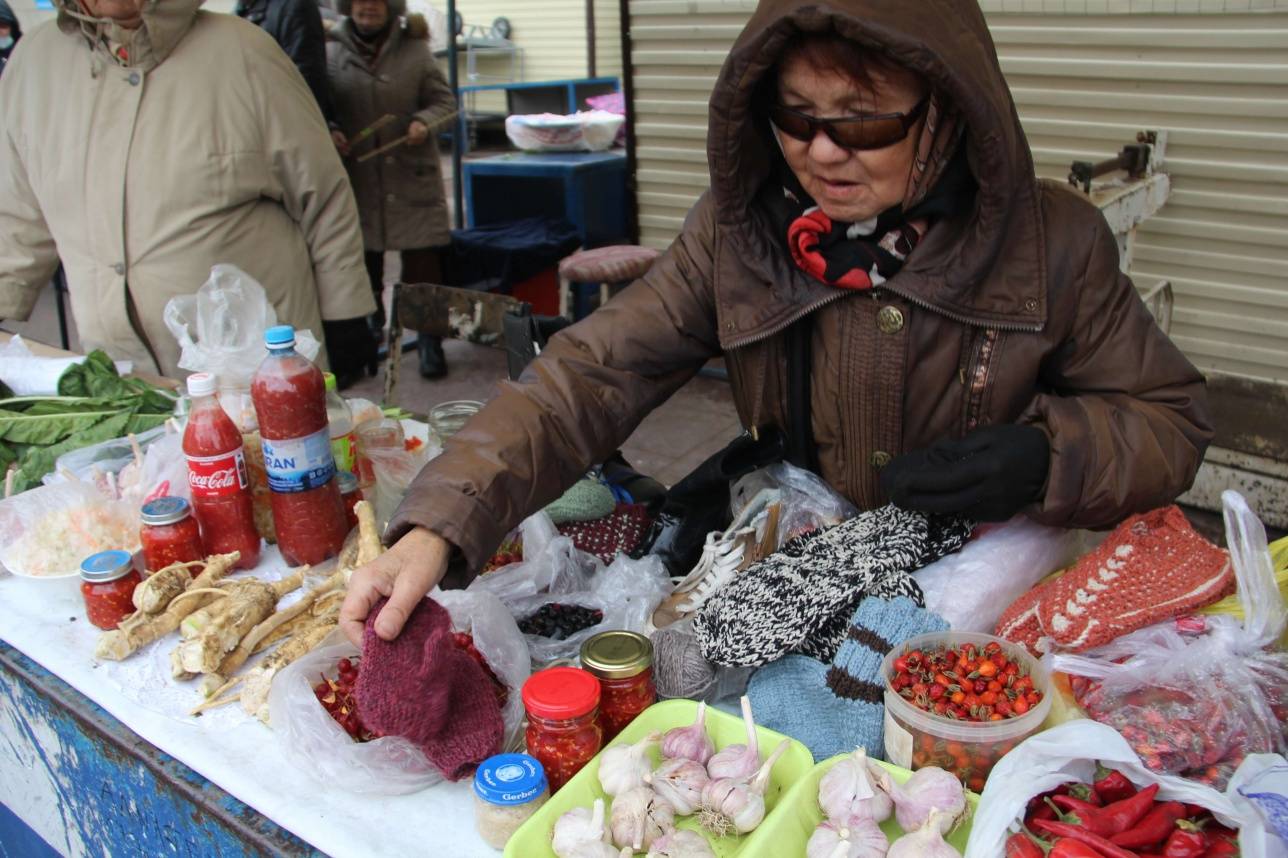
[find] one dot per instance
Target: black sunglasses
(849, 132)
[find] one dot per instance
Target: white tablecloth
(46, 621)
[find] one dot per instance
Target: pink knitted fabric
(1153, 567)
(421, 687)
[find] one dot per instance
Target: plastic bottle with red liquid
(221, 493)
(290, 402)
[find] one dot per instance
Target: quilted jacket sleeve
(1126, 412)
(574, 405)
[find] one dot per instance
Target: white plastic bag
(116, 470)
(28, 374)
(1216, 683)
(553, 570)
(972, 587)
(221, 329)
(587, 130)
(313, 742)
(807, 503)
(1059, 755)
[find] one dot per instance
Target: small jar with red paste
(170, 533)
(563, 721)
(622, 661)
(108, 579)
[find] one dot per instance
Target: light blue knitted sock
(835, 709)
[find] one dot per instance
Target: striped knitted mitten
(800, 598)
(835, 709)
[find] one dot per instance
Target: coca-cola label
(218, 476)
(299, 464)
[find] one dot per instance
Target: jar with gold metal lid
(622, 661)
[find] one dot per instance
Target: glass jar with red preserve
(289, 395)
(622, 661)
(221, 493)
(169, 534)
(350, 494)
(108, 579)
(563, 721)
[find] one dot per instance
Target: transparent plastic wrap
(393, 470)
(1195, 696)
(48, 531)
(110, 466)
(971, 588)
(1060, 755)
(808, 503)
(553, 570)
(313, 742)
(587, 130)
(220, 330)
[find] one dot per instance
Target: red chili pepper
(1187, 841)
(1067, 848)
(1023, 845)
(1222, 849)
(1112, 786)
(1123, 814)
(1193, 810)
(1083, 813)
(1153, 828)
(1082, 835)
(1087, 793)
(1039, 809)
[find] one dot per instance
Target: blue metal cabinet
(116, 793)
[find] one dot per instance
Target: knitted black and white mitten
(800, 598)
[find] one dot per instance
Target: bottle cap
(560, 693)
(106, 566)
(328, 379)
(617, 654)
(510, 779)
(164, 510)
(279, 337)
(201, 384)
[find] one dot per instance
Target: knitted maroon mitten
(421, 687)
(605, 537)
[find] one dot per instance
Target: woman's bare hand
(341, 143)
(417, 133)
(404, 573)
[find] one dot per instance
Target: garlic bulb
(640, 817)
(577, 827)
(847, 791)
(680, 782)
(927, 790)
(927, 841)
(691, 742)
(858, 838)
(624, 767)
(733, 806)
(738, 762)
(681, 844)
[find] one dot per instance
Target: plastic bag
(221, 329)
(587, 130)
(971, 588)
(1059, 755)
(1197, 695)
(48, 531)
(313, 742)
(808, 503)
(117, 471)
(28, 374)
(394, 469)
(553, 570)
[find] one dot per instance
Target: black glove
(990, 475)
(352, 349)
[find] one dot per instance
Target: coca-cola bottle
(221, 494)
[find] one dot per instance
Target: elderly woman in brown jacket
(973, 346)
(379, 63)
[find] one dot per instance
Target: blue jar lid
(164, 510)
(279, 336)
(509, 779)
(106, 566)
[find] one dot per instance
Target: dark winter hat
(7, 17)
(397, 8)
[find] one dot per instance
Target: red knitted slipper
(1019, 622)
(421, 687)
(604, 537)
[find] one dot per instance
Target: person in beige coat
(142, 142)
(379, 63)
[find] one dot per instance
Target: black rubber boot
(433, 363)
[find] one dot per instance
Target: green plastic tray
(785, 832)
(532, 840)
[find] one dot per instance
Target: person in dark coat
(10, 33)
(296, 25)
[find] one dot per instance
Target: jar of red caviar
(108, 579)
(563, 721)
(350, 494)
(622, 661)
(170, 533)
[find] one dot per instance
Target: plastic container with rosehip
(916, 737)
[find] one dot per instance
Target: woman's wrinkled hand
(417, 133)
(341, 143)
(405, 573)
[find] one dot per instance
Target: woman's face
(127, 13)
(370, 15)
(849, 185)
